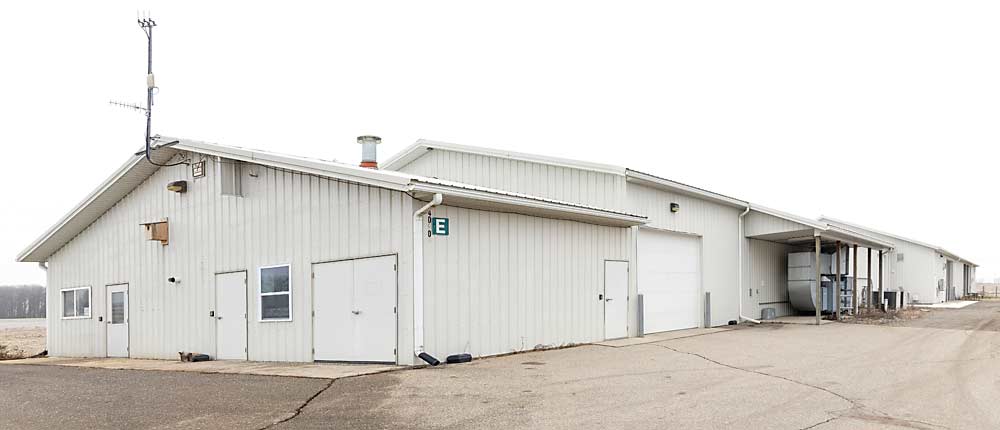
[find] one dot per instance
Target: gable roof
(936, 248)
(422, 146)
(654, 181)
(137, 169)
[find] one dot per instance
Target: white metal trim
(421, 147)
(115, 177)
(260, 293)
(530, 202)
(648, 179)
(90, 299)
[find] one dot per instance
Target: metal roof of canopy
(938, 249)
(804, 230)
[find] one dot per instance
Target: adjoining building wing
(928, 272)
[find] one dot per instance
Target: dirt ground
(982, 316)
(31, 340)
(902, 317)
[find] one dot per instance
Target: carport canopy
(775, 226)
(780, 227)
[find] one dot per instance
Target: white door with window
(354, 304)
(669, 279)
(231, 316)
(615, 299)
(117, 320)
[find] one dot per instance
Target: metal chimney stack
(369, 154)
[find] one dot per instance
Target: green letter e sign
(439, 226)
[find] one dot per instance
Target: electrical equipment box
(157, 231)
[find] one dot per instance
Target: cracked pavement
(836, 376)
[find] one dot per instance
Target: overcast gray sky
(880, 112)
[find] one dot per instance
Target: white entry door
(231, 316)
(117, 320)
(669, 279)
(615, 299)
(354, 304)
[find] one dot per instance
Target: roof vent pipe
(369, 155)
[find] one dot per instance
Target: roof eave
(656, 181)
(573, 212)
(27, 255)
(422, 146)
(365, 176)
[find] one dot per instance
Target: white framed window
(75, 303)
(274, 293)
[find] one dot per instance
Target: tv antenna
(147, 24)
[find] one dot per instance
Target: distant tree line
(22, 301)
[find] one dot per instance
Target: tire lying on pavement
(458, 358)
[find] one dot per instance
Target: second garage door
(354, 310)
(669, 279)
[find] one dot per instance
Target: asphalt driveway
(776, 377)
(47, 397)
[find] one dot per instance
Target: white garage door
(669, 279)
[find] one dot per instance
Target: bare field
(24, 335)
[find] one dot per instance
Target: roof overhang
(806, 230)
(935, 248)
(109, 192)
(653, 181)
(421, 147)
(471, 197)
(952, 256)
(380, 178)
(137, 169)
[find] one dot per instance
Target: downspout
(739, 253)
(418, 281)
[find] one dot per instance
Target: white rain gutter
(739, 266)
(418, 279)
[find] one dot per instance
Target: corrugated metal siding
(768, 277)
(758, 223)
(602, 190)
(502, 282)
(718, 226)
(284, 217)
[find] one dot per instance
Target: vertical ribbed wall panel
(768, 278)
(502, 282)
(718, 226)
(283, 217)
(603, 190)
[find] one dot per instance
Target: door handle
(608, 299)
(219, 318)
(356, 312)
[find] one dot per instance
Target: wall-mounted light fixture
(674, 207)
(178, 186)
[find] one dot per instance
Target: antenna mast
(147, 24)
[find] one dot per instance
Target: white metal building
(269, 257)
(245, 254)
(928, 273)
(684, 260)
